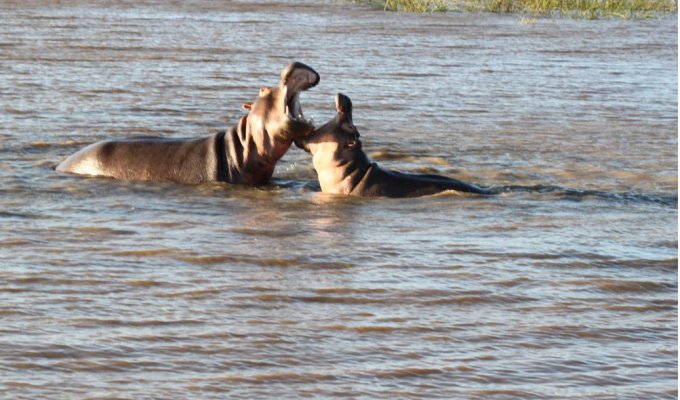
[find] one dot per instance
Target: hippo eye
(352, 142)
(349, 128)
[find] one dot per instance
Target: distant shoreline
(590, 9)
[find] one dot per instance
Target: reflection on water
(563, 285)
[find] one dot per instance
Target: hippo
(244, 154)
(343, 167)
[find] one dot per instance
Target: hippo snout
(303, 144)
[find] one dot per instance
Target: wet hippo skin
(246, 153)
(342, 166)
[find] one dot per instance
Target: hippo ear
(247, 106)
(344, 106)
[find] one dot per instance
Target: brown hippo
(246, 153)
(343, 168)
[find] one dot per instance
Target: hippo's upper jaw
(296, 78)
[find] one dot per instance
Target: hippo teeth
(298, 117)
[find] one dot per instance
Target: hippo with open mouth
(245, 154)
(343, 167)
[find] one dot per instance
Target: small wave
(597, 261)
(445, 194)
(163, 224)
(192, 294)
(107, 365)
(622, 286)
(156, 111)
(407, 372)
(364, 329)
(261, 232)
(99, 230)
(11, 311)
(10, 214)
(388, 155)
(210, 259)
(23, 365)
(504, 394)
(521, 281)
(249, 259)
(270, 262)
(670, 306)
(486, 299)
(69, 143)
(99, 322)
(22, 385)
(141, 253)
(580, 194)
(44, 281)
(16, 111)
(145, 283)
(281, 377)
(110, 91)
(298, 185)
(345, 291)
(384, 297)
(585, 332)
(387, 329)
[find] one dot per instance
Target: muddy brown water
(563, 286)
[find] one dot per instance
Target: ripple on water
(625, 286)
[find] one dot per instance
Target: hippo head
(277, 112)
(337, 142)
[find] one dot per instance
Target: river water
(564, 286)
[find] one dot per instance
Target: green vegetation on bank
(415, 5)
(570, 8)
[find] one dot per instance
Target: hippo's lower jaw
(296, 129)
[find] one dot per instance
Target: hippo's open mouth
(294, 108)
(297, 78)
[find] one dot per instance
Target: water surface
(562, 286)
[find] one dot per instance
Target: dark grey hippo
(246, 153)
(343, 167)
